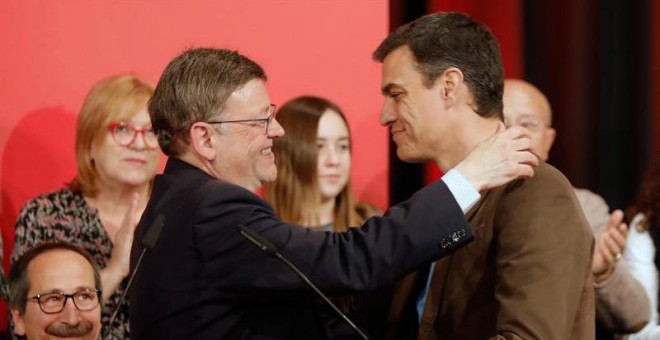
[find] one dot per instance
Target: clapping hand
(609, 247)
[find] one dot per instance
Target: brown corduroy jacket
(527, 275)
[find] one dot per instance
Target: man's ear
(202, 141)
(451, 85)
(550, 135)
(19, 325)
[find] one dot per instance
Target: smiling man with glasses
(265, 122)
(55, 291)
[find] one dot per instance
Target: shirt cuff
(464, 193)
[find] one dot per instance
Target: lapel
(437, 287)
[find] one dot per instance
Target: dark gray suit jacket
(204, 280)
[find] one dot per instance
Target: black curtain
(593, 60)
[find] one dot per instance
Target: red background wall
(54, 51)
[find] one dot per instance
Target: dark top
(204, 280)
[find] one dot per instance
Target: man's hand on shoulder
(499, 159)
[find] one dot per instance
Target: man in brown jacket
(527, 274)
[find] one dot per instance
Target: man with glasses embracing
(54, 291)
(204, 280)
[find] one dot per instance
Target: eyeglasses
(261, 121)
(125, 133)
(53, 303)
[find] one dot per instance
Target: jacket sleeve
(544, 251)
(426, 227)
(621, 303)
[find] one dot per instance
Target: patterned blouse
(65, 216)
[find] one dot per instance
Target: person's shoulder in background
(595, 209)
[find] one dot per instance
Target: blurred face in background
(127, 153)
(526, 106)
(334, 154)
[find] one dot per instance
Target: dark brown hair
(19, 284)
(442, 40)
(193, 88)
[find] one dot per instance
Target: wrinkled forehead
(59, 270)
(248, 101)
(399, 68)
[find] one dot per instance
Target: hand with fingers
(610, 246)
(500, 159)
(119, 263)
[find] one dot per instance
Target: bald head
(526, 105)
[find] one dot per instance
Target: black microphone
(148, 242)
(271, 250)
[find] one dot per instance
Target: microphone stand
(269, 248)
(148, 242)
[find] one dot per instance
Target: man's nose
(275, 129)
(387, 114)
(70, 313)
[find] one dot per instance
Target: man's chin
(409, 157)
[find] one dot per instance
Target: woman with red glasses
(117, 156)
